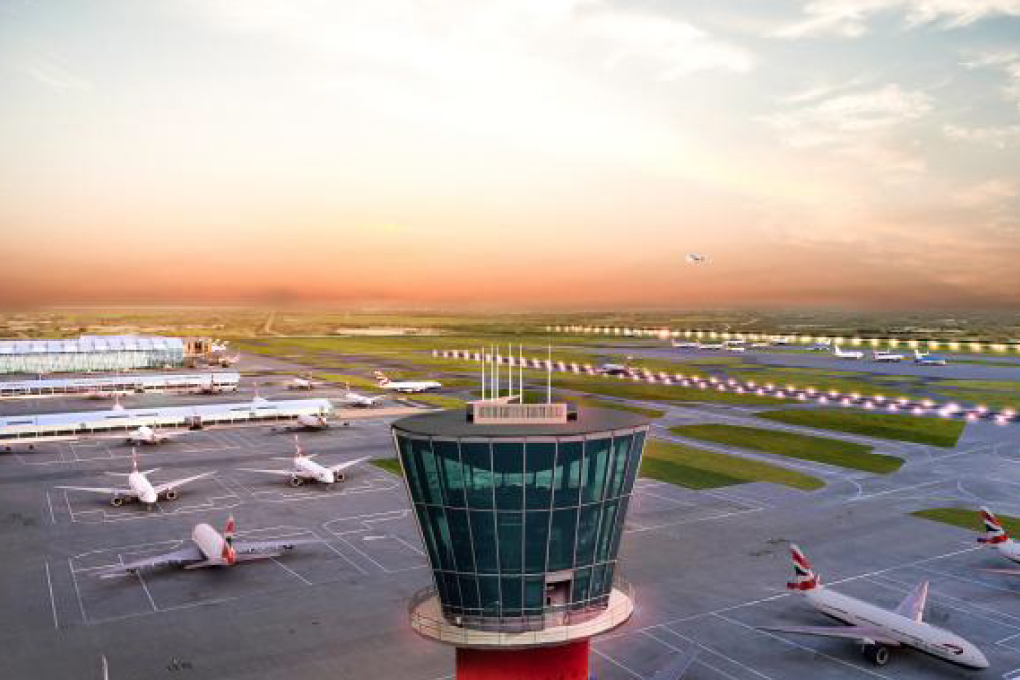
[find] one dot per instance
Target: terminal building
(33, 429)
(90, 353)
(120, 384)
(521, 508)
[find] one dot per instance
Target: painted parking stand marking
(711, 650)
(53, 601)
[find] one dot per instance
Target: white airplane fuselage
(888, 356)
(211, 544)
(310, 469)
(142, 487)
(145, 435)
(312, 422)
(917, 634)
(1009, 549)
(423, 386)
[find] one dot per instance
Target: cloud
(1006, 63)
(985, 194)
(837, 120)
(851, 18)
(53, 73)
(998, 137)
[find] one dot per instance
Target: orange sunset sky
(526, 153)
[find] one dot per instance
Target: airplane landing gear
(876, 654)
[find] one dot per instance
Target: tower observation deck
(521, 508)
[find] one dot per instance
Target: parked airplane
(406, 385)
(360, 400)
(878, 629)
(735, 348)
(684, 345)
(928, 359)
(717, 345)
(309, 421)
(210, 549)
(852, 354)
(822, 346)
(879, 355)
(997, 537)
(151, 435)
(302, 384)
(307, 470)
(139, 488)
(615, 369)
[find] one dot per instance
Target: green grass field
(818, 449)
(616, 405)
(898, 426)
(391, 465)
(967, 518)
(438, 400)
(699, 469)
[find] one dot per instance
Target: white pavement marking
(708, 649)
(77, 591)
(619, 664)
(291, 571)
(49, 503)
(145, 587)
(53, 601)
(898, 489)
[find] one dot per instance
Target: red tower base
(562, 662)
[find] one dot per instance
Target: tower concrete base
(560, 662)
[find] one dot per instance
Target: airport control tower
(521, 508)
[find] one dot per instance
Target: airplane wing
(344, 466)
(913, 604)
(860, 633)
(282, 473)
(678, 666)
(183, 556)
(160, 488)
(254, 547)
(99, 489)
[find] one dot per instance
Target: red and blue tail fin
(804, 576)
(994, 533)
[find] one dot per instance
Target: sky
(860, 154)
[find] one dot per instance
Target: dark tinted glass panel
(567, 477)
(587, 531)
(413, 477)
(426, 531)
(635, 455)
(469, 591)
(538, 475)
(597, 581)
(534, 592)
(483, 530)
(512, 595)
(431, 487)
(618, 465)
(488, 586)
(621, 517)
(561, 539)
(461, 535)
(452, 588)
(581, 580)
(508, 472)
(596, 458)
(441, 534)
(477, 471)
(510, 529)
(448, 460)
(536, 540)
(606, 531)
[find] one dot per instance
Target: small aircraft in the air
(695, 258)
(139, 488)
(307, 470)
(875, 628)
(209, 548)
(406, 385)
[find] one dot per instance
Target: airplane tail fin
(229, 556)
(297, 448)
(994, 533)
(381, 378)
(804, 576)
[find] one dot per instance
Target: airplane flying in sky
(209, 548)
(852, 354)
(406, 385)
(139, 488)
(878, 629)
(885, 356)
(996, 537)
(928, 359)
(307, 470)
(695, 258)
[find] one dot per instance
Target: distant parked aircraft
(928, 359)
(615, 369)
(139, 488)
(210, 549)
(684, 345)
(360, 400)
(406, 385)
(302, 384)
(879, 355)
(307, 470)
(875, 628)
(852, 354)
